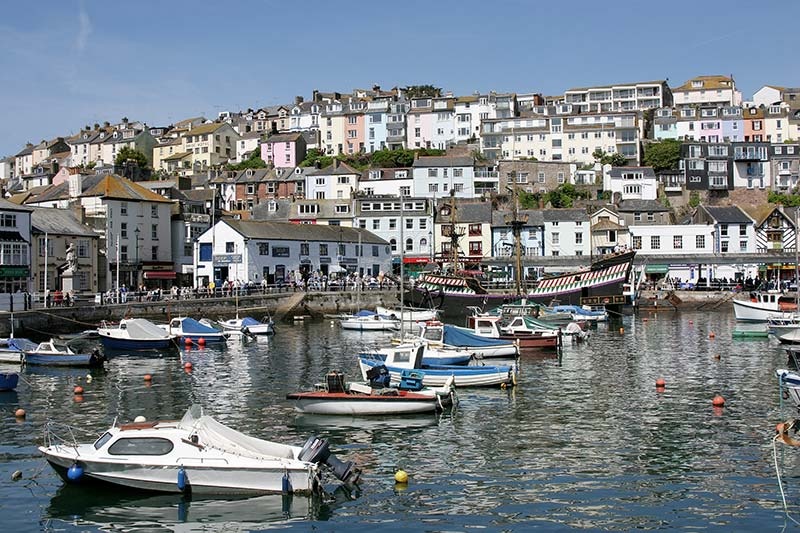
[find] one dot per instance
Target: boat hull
(8, 381)
(203, 479)
(469, 376)
(74, 360)
(790, 383)
(748, 311)
(335, 403)
(369, 325)
(112, 343)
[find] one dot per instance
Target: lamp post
(136, 258)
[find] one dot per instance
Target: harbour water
(585, 441)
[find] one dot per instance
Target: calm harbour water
(584, 442)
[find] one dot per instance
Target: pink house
(284, 150)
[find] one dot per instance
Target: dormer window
(697, 84)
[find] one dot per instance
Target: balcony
(485, 174)
(717, 185)
(750, 154)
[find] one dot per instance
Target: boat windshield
(99, 443)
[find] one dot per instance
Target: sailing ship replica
(454, 291)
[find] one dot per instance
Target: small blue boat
(48, 354)
(8, 381)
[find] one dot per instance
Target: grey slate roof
(471, 212)
(565, 215)
(58, 222)
(284, 138)
(647, 172)
(334, 170)
(727, 215)
(641, 205)
(61, 191)
(258, 229)
(5, 205)
(535, 217)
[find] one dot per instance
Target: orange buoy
(148, 377)
(78, 390)
(20, 413)
(660, 383)
(187, 365)
(711, 335)
(718, 401)
(187, 341)
(621, 331)
(691, 322)
(78, 398)
(201, 341)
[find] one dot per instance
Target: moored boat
(193, 330)
(525, 331)
(337, 397)
(761, 305)
(249, 325)
(408, 314)
(366, 320)
(437, 334)
(50, 354)
(135, 334)
(195, 455)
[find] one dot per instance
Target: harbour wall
(284, 306)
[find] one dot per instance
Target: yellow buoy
(401, 476)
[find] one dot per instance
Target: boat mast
(516, 221)
(402, 268)
(454, 235)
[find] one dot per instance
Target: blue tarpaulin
(456, 336)
(192, 326)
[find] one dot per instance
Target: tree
(663, 155)
(392, 158)
(314, 157)
(694, 199)
(615, 159)
(128, 156)
(254, 161)
(417, 91)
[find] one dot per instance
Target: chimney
(335, 163)
(376, 88)
(298, 100)
(315, 96)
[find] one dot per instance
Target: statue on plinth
(72, 260)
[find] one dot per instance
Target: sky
(71, 63)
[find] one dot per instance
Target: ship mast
(454, 235)
(516, 221)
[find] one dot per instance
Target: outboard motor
(317, 450)
(379, 377)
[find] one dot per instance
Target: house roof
(647, 172)
(654, 82)
(535, 217)
(120, 188)
(177, 156)
(469, 212)
(335, 169)
(284, 138)
(59, 222)
(565, 215)
(605, 225)
(709, 83)
(203, 129)
(727, 215)
(5, 205)
(261, 229)
(629, 206)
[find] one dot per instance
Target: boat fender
(286, 484)
(782, 431)
(75, 472)
(182, 480)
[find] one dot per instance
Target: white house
(631, 183)
(251, 251)
(567, 232)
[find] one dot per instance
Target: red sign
(415, 260)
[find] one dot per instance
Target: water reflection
(131, 511)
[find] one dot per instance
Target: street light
(136, 257)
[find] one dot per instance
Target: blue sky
(70, 63)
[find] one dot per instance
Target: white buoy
(140, 419)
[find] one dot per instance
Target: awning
(656, 269)
(159, 274)
(415, 260)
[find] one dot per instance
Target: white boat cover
(214, 434)
(139, 328)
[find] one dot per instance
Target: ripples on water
(584, 442)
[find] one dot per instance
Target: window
(123, 208)
(154, 211)
(723, 246)
(650, 217)
(280, 251)
(304, 248)
(423, 223)
(475, 248)
(141, 446)
(375, 251)
(154, 253)
(655, 242)
(154, 232)
(392, 223)
(123, 230)
(263, 248)
(409, 245)
(229, 247)
(323, 250)
(393, 244)
(251, 188)
(578, 238)
(433, 172)
(8, 220)
(637, 242)
(433, 187)
(700, 242)
(555, 238)
(742, 230)
(49, 247)
(475, 229)
(723, 230)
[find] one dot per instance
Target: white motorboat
(366, 320)
(790, 384)
(249, 325)
(439, 335)
(761, 305)
(196, 454)
(336, 397)
(191, 330)
(788, 335)
(135, 334)
(409, 314)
